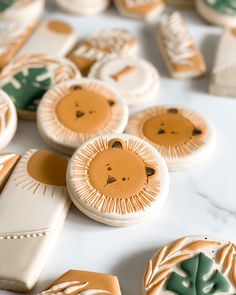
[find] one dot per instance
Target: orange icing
(60, 27)
(117, 173)
(168, 129)
(84, 111)
(48, 168)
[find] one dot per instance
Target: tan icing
(177, 129)
(233, 31)
(84, 111)
(117, 173)
(47, 168)
(233, 271)
(176, 246)
(123, 73)
(194, 246)
(83, 64)
(189, 146)
(223, 253)
(90, 164)
(142, 10)
(91, 281)
(6, 167)
(60, 27)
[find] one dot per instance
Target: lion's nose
(110, 179)
(79, 114)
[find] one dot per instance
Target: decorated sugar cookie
(8, 119)
(137, 80)
(141, 9)
(117, 179)
(12, 37)
(196, 265)
(88, 7)
(182, 3)
(7, 165)
(101, 44)
(21, 10)
(182, 57)
(218, 12)
(75, 111)
(28, 78)
(183, 137)
(36, 197)
(53, 37)
(224, 71)
(84, 283)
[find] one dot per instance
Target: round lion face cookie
(78, 110)
(117, 179)
(182, 136)
(8, 119)
(28, 78)
(192, 265)
(137, 80)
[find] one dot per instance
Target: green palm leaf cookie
(223, 6)
(26, 88)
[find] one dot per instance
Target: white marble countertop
(201, 200)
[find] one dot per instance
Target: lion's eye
(109, 168)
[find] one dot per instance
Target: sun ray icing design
(59, 132)
(107, 204)
(189, 147)
(23, 179)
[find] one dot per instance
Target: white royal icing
(177, 39)
(71, 287)
(10, 35)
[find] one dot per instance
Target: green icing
(200, 278)
(26, 88)
(5, 4)
(223, 6)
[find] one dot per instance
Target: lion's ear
(75, 87)
(196, 132)
(150, 171)
(111, 102)
(116, 144)
(173, 111)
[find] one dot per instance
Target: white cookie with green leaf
(196, 265)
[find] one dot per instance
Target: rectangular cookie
(12, 37)
(51, 37)
(7, 164)
(33, 206)
(224, 71)
(182, 57)
(84, 283)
